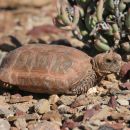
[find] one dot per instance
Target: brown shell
(45, 68)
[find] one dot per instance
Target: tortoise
(56, 69)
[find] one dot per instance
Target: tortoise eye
(108, 61)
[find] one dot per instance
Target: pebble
(76, 128)
(42, 106)
(66, 109)
(18, 99)
(13, 128)
(102, 114)
(104, 127)
(46, 125)
(53, 99)
(111, 78)
(107, 84)
(4, 125)
(20, 123)
(92, 90)
(6, 112)
(67, 100)
(97, 123)
(53, 116)
(2, 99)
(123, 102)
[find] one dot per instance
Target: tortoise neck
(96, 68)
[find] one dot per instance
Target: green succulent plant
(105, 22)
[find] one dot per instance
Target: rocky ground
(104, 107)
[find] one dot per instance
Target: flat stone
(105, 128)
(46, 125)
(6, 112)
(67, 100)
(20, 123)
(42, 106)
(123, 102)
(4, 125)
(53, 99)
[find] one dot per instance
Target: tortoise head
(106, 63)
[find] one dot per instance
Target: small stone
(46, 125)
(42, 106)
(107, 84)
(125, 86)
(112, 102)
(67, 100)
(6, 112)
(23, 106)
(20, 99)
(97, 123)
(112, 78)
(4, 125)
(92, 90)
(89, 113)
(66, 109)
(14, 128)
(2, 99)
(123, 102)
(31, 126)
(102, 114)
(123, 109)
(27, 117)
(20, 123)
(76, 128)
(70, 124)
(125, 69)
(53, 99)
(53, 116)
(80, 101)
(104, 127)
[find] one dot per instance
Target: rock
(80, 101)
(125, 86)
(53, 99)
(67, 100)
(42, 106)
(112, 102)
(104, 127)
(46, 125)
(102, 114)
(66, 109)
(4, 125)
(6, 112)
(76, 128)
(53, 116)
(112, 78)
(23, 107)
(123, 109)
(18, 99)
(123, 102)
(90, 113)
(27, 117)
(125, 69)
(92, 90)
(2, 99)
(70, 124)
(107, 84)
(97, 123)
(13, 128)
(21, 124)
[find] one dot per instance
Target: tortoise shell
(46, 68)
